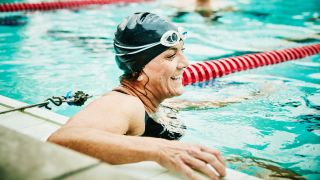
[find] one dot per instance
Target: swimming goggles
(168, 39)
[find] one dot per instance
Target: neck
(150, 101)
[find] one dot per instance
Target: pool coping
(141, 170)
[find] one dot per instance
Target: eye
(171, 56)
(183, 49)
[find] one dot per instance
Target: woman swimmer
(129, 124)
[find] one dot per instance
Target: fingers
(210, 159)
(200, 166)
(184, 158)
(214, 152)
(185, 170)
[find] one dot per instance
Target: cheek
(170, 68)
(163, 77)
(164, 69)
(160, 74)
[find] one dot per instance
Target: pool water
(274, 134)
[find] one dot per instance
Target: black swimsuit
(155, 129)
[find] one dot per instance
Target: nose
(183, 62)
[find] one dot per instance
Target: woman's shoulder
(115, 98)
(118, 104)
(112, 112)
(130, 108)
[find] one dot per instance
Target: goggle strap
(145, 48)
(135, 47)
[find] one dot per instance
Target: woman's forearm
(111, 148)
(121, 149)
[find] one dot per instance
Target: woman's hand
(182, 158)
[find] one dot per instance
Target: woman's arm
(109, 147)
(121, 149)
(100, 131)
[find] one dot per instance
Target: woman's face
(165, 72)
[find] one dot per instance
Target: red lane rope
(45, 6)
(204, 71)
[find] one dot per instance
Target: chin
(178, 92)
(175, 89)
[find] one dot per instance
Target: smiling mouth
(175, 78)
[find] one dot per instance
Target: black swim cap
(138, 30)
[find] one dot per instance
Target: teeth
(176, 78)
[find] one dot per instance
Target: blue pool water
(273, 135)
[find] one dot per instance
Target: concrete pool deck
(25, 155)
